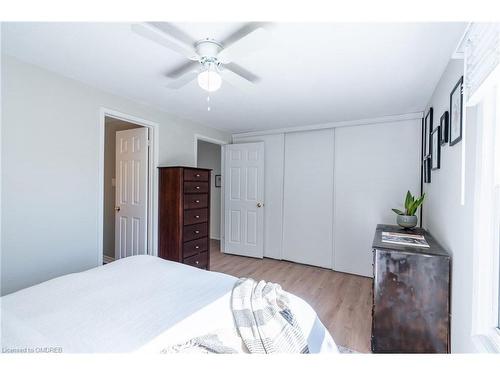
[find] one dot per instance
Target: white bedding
(141, 303)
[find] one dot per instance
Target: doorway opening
(127, 183)
(209, 154)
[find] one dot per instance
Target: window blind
(482, 54)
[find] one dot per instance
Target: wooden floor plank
(342, 301)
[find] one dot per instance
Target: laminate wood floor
(342, 301)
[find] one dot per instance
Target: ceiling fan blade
(234, 79)
(242, 72)
(251, 37)
(157, 35)
(182, 81)
(182, 69)
(244, 31)
(174, 31)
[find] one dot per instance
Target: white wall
(375, 165)
(50, 189)
(273, 191)
(209, 156)
(446, 218)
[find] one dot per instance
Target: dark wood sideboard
(411, 295)
(184, 215)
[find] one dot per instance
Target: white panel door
(131, 205)
(244, 199)
(308, 198)
(273, 191)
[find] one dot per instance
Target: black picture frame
(456, 113)
(427, 170)
(436, 148)
(218, 180)
(444, 123)
(427, 132)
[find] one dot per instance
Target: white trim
(282, 187)
(334, 205)
(152, 179)
(221, 143)
(1, 143)
(369, 121)
(222, 246)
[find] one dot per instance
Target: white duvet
(140, 303)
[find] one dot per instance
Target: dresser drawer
(194, 247)
(192, 232)
(199, 260)
(195, 187)
(195, 175)
(195, 201)
(195, 216)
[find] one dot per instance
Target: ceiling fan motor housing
(208, 48)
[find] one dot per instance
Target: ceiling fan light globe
(209, 80)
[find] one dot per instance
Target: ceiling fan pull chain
(208, 82)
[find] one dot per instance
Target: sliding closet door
(308, 198)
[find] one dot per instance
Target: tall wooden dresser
(411, 295)
(184, 215)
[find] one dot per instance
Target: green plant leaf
(408, 200)
(399, 212)
(415, 205)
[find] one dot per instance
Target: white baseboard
(215, 238)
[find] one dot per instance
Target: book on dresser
(184, 215)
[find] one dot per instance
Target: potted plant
(407, 218)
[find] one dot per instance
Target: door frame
(221, 143)
(152, 231)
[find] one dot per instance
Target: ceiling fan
(210, 61)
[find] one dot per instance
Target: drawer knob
(197, 175)
(197, 188)
(196, 231)
(197, 216)
(196, 247)
(197, 201)
(197, 262)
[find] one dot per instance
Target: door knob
(259, 205)
(117, 209)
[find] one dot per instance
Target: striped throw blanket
(263, 322)
(263, 318)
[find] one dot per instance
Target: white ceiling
(311, 73)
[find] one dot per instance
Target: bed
(140, 303)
